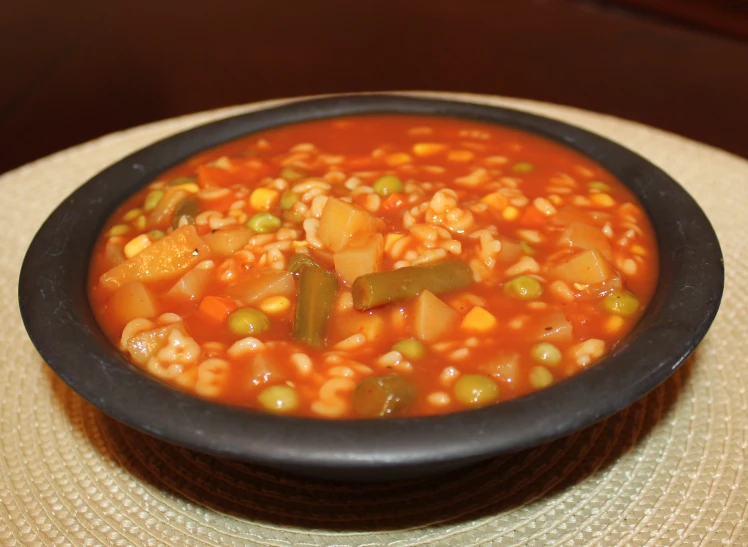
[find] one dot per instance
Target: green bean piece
(181, 180)
(599, 186)
(379, 396)
(411, 349)
(288, 199)
(476, 390)
(264, 223)
(624, 303)
(156, 234)
(523, 287)
(246, 321)
(187, 208)
(314, 299)
(280, 399)
(540, 377)
(293, 173)
(152, 199)
(388, 184)
(300, 261)
(380, 288)
(546, 354)
(523, 167)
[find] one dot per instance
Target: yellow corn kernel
(131, 214)
(510, 213)
(140, 223)
(614, 323)
(119, 230)
(263, 199)
(275, 304)
(399, 158)
(495, 201)
(428, 148)
(137, 244)
(479, 320)
(603, 200)
(638, 250)
(190, 187)
(390, 240)
(460, 155)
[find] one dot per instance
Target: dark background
(74, 70)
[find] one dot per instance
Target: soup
(374, 266)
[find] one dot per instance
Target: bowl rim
(55, 311)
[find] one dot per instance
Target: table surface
(73, 71)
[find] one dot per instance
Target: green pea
(378, 396)
(476, 390)
(624, 303)
(410, 349)
(288, 199)
(152, 199)
(293, 216)
(181, 180)
(280, 399)
(527, 248)
(523, 287)
(293, 173)
(246, 321)
(540, 377)
(156, 234)
(546, 354)
(187, 208)
(523, 167)
(388, 184)
(598, 185)
(264, 223)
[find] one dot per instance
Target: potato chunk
(585, 236)
(131, 301)
(362, 255)
(264, 283)
(433, 318)
(586, 267)
(226, 241)
(340, 221)
(165, 259)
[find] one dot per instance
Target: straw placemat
(668, 470)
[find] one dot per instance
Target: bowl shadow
(257, 494)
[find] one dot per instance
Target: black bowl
(58, 318)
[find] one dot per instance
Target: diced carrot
(533, 218)
(217, 308)
(393, 203)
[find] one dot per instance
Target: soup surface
(374, 266)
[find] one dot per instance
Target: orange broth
(499, 203)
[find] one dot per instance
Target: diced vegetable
(316, 294)
(504, 366)
(226, 241)
(163, 213)
(165, 259)
(280, 399)
(433, 318)
(216, 308)
(523, 287)
(553, 327)
(377, 289)
(192, 285)
(263, 199)
(263, 283)
(340, 221)
(379, 396)
(299, 261)
(540, 377)
(510, 252)
(478, 320)
(523, 167)
(265, 370)
(152, 199)
(293, 173)
(246, 321)
(585, 236)
(476, 390)
(370, 324)
(388, 184)
(546, 354)
(146, 344)
(288, 199)
(131, 301)
(585, 267)
(362, 255)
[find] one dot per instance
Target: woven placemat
(668, 470)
